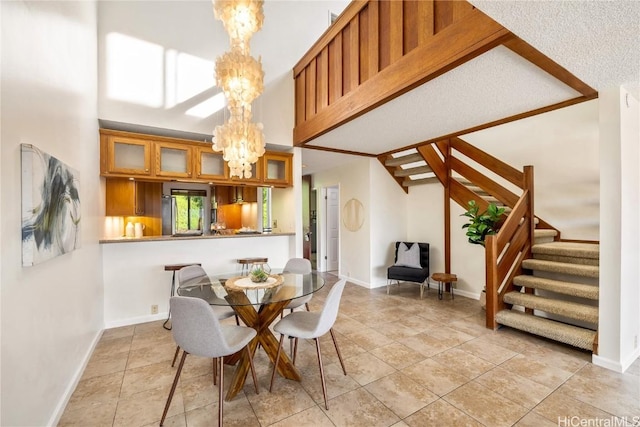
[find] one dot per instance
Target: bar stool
(173, 268)
(246, 264)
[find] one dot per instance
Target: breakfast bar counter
(137, 287)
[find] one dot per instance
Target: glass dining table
(257, 305)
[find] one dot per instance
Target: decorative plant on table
(258, 274)
(482, 224)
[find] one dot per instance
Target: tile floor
(410, 362)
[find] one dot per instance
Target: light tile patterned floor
(410, 362)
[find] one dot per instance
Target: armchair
(411, 264)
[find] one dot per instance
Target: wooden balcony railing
(377, 50)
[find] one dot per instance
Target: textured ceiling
(597, 41)
(493, 86)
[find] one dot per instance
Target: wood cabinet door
(256, 174)
(277, 169)
(128, 156)
(174, 160)
(124, 197)
(210, 164)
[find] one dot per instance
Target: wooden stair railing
(505, 251)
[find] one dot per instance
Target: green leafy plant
(258, 275)
(482, 224)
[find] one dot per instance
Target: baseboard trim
(355, 281)
(66, 396)
(607, 363)
(135, 320)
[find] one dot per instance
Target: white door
(333, 228)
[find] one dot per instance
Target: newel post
(491, 268)
(528, 186)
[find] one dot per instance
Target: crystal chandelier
(240, 76)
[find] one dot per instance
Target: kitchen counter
(136, 283)
(206, 236)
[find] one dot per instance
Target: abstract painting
(50, 207)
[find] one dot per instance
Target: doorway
(332, 246)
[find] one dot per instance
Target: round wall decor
(353, 215)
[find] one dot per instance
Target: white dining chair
(191, 272)
(298, 266)
(197, 331)
(312, 325)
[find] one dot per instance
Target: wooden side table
(443, 278)
(173, 268)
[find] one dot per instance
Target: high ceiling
(598, 42)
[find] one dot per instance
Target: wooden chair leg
(175, 356)
(306, 304)
(335, 343)
(324, 386)
(173, 387)
(253, 370)
(295, 351)
(215, 370)
(275, 364)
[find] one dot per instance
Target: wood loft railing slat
(335, 69)
(310, 89)
(396, 43)
(345, 17)
(354, 53)
(424, 18)
(373, 63)
(322, 85)
(409, 25)
(465, 39)
(300, 95)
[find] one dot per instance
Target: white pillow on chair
(408, 256)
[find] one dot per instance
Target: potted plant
(258, 274)
(481, 225)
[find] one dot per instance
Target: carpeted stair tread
(567, 259)
(568, 334)
(543, 235)
(558, 286)
(562, 268)
(568, 249)
(571, 310)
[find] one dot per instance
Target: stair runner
(573, 267)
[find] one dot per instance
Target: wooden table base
(260, 321)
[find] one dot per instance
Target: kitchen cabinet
(249, 194)
(127, 156)
(256, 174)
(125, 197)
(162, 159)
(173, 160)
(210, 164)
(277, 169)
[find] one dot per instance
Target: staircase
(557, 295)
(560, 291)
(534, 281)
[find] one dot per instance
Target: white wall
(166, 66)
(562, 146)
(388, 221)
(51, 312)
(353, 181)
(619, 232)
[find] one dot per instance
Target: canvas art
(50, 207)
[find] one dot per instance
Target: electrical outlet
(154, 309)
(275, 223)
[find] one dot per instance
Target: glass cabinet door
(129, 156)
(173, 160)
(277, 168)
(209, 164)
